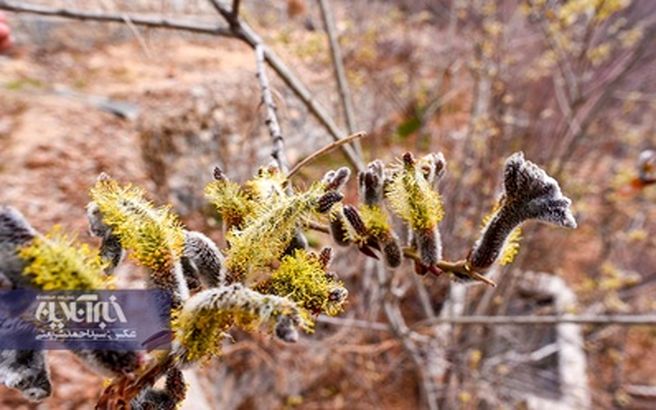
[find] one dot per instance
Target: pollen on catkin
(412, 198)
(232, 204)
(57, 262)
(268, 230)
(154, 235)
(204, 320)
(302, 278)
(267, 185)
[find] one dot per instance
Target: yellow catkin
(412, 198)
(301, 278)
(230, 201)
(153, 235)
(266, 186)
(57, 262)
(376, 221)
(268, 231)
(203, 322)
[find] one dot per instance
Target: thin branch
(138, 36)
(137, 20)
(338, 65)
(460, 267)
(528, 320)
(244, 32)
(278, 151)
(356, 323)
(235, 8)
(238, 29)
(399, 328)
(325, 150)
(523, 320)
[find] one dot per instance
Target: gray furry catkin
(16, 231)
(27, 372)
(110, 247)
(205, 257)
(529, 193)
(168, 398)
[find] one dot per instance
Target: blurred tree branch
(518, 320)
(278, 151)
(238, 29)
(397, 325)
(135, 19)
(245, 33)
(340, 72)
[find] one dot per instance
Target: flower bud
(286, 329)
(429, 245)
(327, 201)
(338, 229)
(325, 257)
(370, 183)
(392, 253)
(335, 180)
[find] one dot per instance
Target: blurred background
(570, 83)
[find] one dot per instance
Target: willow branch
(136, 19)
(338, 66)
(528, 320)
(235, 8)
(238, 29)
(245, 33)
(325, 150)
(278, 150)
(460, 267)
(519, 320)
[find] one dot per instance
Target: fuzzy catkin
(355, 221)
(110, 247)
(335, 180)
(529, 194)
(205, 257)
(15, 231)
(168, 398)
(327, 200)
(429, 245)
(370, 183)
(27, 372)
(338, 229)
(392, 253)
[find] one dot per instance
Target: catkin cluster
(266, 277)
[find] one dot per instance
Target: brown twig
(325, 150)
(338, 66)
(137, 20)
(245, 33)
(238, 29)
(460, 267)
(122, 390)
(529, 320)
(400, 330)
(519, 320)
(278, 150)
(235, 8)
